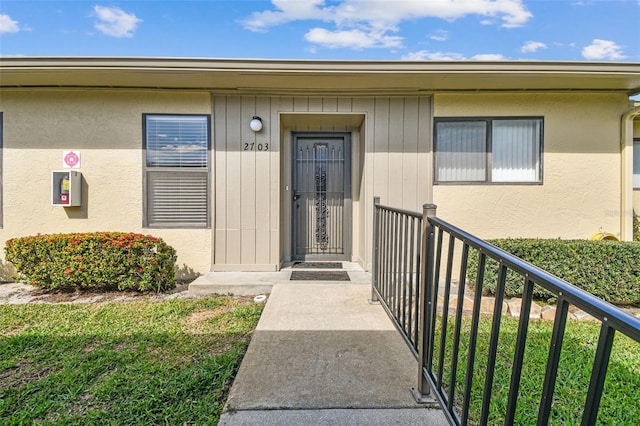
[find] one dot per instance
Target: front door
(321, 196)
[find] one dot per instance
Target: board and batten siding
(391, 158)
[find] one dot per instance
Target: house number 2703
(256, 147)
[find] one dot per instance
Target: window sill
(490, 183)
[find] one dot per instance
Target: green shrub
(99, 260)
(609, 270)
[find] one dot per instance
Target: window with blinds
(176, 170)
(505, 150)
(1, 171)
(636, 164)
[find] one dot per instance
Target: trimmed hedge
(99, 260)
(608, 269)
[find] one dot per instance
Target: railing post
(375, 265)
(426, 299)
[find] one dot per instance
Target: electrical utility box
(66, 188)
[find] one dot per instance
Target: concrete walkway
(321, 354)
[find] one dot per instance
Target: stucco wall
(106, 127)
(581, 188)
(391, 158)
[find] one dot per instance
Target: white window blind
(177, 171)
(1, 171)
(461, 151)
(636, 163)
(515, 150)
(488, 150)
(177, 198)
(177, 141)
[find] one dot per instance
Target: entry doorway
(321, 196)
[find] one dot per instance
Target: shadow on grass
(117, 370)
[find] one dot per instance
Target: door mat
(319, 276)
(317, 265)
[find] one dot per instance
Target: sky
(554, 30)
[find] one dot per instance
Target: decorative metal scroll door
(321, 196)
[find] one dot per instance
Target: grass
(167, 362)
(619, 404)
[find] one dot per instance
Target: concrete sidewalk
(321, 354)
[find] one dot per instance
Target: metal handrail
(596, 307)
(390, 285)
(396, 274)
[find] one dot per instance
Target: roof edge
(299, 65)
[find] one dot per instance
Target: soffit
(317, 76)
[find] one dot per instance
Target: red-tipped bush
(97, 260)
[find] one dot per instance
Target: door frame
(347, 220)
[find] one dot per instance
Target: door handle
(296, 196)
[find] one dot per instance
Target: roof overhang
(310, 76)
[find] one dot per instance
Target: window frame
(636, 141)
(1, 169)
(168, 169)
(488, 120)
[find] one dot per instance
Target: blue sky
(572, 30)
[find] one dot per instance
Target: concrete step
(237, 283)
(336, 417)
(254, 283)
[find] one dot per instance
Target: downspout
(626, 179)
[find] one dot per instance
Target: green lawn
(166, 362)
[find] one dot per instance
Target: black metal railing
(396, 275)
(450, 356)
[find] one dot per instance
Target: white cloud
(367, 22)
(287, 11)
(513, 13)
(603, 49)
(424, 55)
(115, 22)
(532, 46)
(8, 25)
(488, 57)
(440, 35)
(355, 39)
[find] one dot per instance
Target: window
(176, 170)
(636, 164)
(505, 150)
(1, 177)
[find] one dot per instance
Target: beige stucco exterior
(581, 189)
(106, 127)
(389, 116)
(250, 189)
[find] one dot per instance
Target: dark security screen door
(321, 196)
